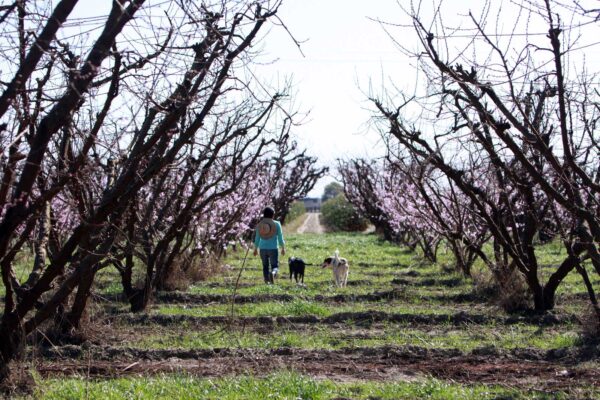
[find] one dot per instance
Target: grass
(313, 337)
(421, 288)
(300, 307)
(374, 264)
(281, 385)
(22, 267)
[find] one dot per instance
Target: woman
(267, 238)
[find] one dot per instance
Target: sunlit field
(402, 328)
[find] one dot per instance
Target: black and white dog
(297, 266)
(340, 268)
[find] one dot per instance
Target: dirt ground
(380, 364)
(311, 224)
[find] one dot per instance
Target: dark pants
(269, 256)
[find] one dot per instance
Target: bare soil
(357, 318)
(204, 299)
(380, 364)
(312, 224)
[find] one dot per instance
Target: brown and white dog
(340, 268)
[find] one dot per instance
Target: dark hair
(268, 212)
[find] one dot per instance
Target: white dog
(340, 268)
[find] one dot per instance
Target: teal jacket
(272, 243)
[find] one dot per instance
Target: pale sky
(344, 51)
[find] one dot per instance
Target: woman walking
(267, 239)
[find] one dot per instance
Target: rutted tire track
(366, 317)
(200, 299)
(535, 369)
(566, 356)
(390, 295)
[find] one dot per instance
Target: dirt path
(312, 224)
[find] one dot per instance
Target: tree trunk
(134, 296)
(41, 246)
(590, 290)
(12, 343)
(72, 321)
(556, 278)
(463, 261)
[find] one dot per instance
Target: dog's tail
(337, 256)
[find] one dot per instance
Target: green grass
(427, 290)
(22, 267)
(280, 385)
(300, 307)
(373, 263)
(313, 337)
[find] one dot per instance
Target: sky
(344, 53)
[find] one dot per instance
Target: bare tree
(293, 174)
(91, 133)
(361, 179)
(535, 135)
(163, 223)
